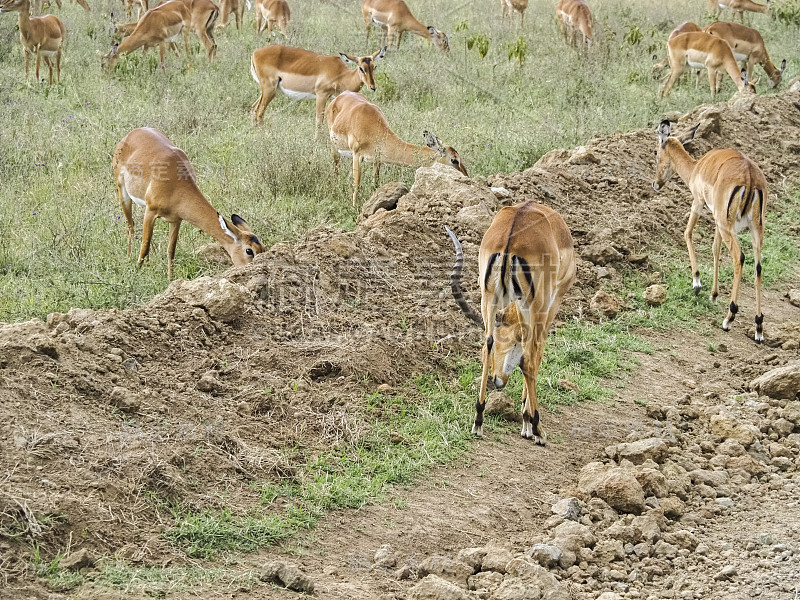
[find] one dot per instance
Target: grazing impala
(151, 172)
(42, 36)
(739, 6)
(395, 18)
(82, 3)
(359, 128)
(698, 50)
(685, 27)
(204, 14)
(526, 265)
(272, 13)
(509, 6)
(228, 7)
(304, 75)
(141, 8)
(574, 17)
(157, 27)
(734, 189)
(748, 47)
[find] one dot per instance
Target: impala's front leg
(322, 99)
(147, 234)
(356, 176)
(174, 228)
(737, 257)
(687, 235)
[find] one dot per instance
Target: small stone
(295, 580)
(436, 588)
(546, 555)
(496, 559)
(783, 382)
(77, 560)
(501, 405)
(385, 557)
(725, 501)
(605, 303)
(568, 508)
(210, 384)
(655, 295)
(726, 573)
(794, 297)
(446, 568)
(125, 400)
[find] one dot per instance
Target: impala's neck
(415, 27)
(682, 163)
(350, 81)
(398, 152)
(732, 68)
(772, 71)
(197, 210)
(24, 17)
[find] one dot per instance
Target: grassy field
(62, 235)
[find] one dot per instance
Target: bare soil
(100, 409)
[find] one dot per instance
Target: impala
(141, 7)
(157, 27)
(272, 13)
(43, 36)
(734, 189)
(509, 6)
(574, 17)
(301, 75)
(739, 6)
(685, 27)
(748, 46)
(395, 18)
(359, 128)
(82, 3)
(698, 50)
(151, 172)
(228, 7)
(203, 17)
(526, 265)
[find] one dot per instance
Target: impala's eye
(655, 152)
(249, 252)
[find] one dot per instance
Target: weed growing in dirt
(158, 581)
(58, 579)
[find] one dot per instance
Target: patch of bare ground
(108, 417)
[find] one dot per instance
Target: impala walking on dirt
(734, 189)
(151, 172)
(526, 265)
(359, 129)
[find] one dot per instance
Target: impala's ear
(224, 225)
(348, 60)
(237, 220)
(783, 65)
(432, 142)
(432, 30)
(382, 52)
(690, 135)
(655, 56)
(744, 77)
(663, 132)
(756, 80)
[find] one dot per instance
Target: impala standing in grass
(271, 14)
(511, 6)
(526, 265)
(301, 75)
(739, 6)
(748, 47)
(734, 189)
(395, 18)
(43, 36)
(154, 174)
(359, 129)
(574, 19)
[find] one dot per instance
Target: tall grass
(62, 238)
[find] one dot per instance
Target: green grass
(62, 242)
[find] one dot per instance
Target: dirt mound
(273, 355)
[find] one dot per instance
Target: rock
(617, 486)
(791, 412)
(782, 427)
(341, 245)
(222, 299)
(673, 507)
(573, 536)
(653, 482)
(537, 577)
(625, 533)
(609, 596)
(77, 560)
(606, 551)
(404, 572)
(682, 539)
(783, 382)
(385, 557)
(546, 555)
(605, 303)
(568, 509)
(726, 573)
(209, 384)
(436, 588)
(295, 580)
(727, 426)
(385, 197)
(794, 295)
(515, 589)
(472, 556)
(501, 405)
(731, 447)
(649, 526)
(125, 400)
(496, 559)
(665, 549)
(486, 580)
(477, 217)
(655, 449)
(446, 568)
(601, 253)
(655, 295)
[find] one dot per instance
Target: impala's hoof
(477, 430)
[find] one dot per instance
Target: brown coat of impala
(685, 27)
(734, 189)
(359, 128)
(153, 173)
(738, 6)
(42, 36)
(395, 18)
(574, 18)
(228, 7)
(158, 26)
(204, 15)
(511, 6)
(302, 74)
(271, 14)
(748, 46)
(697, 50)
(526, 264)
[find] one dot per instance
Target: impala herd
(527, 259)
